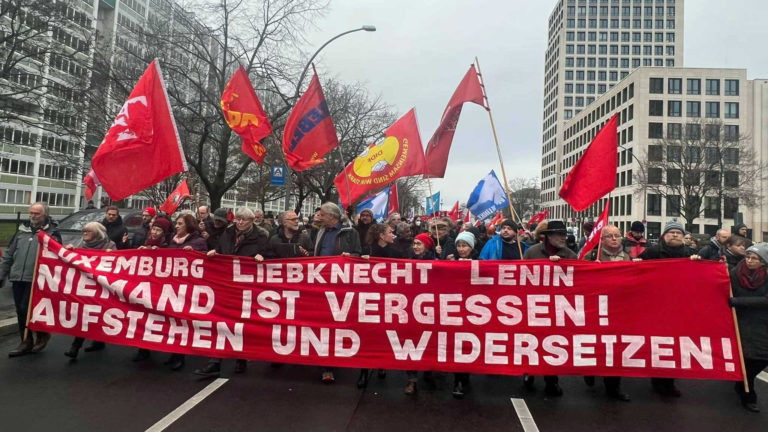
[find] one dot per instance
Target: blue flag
(378, 204)
(433, 204)
(488, 197)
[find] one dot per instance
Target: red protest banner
(495, 317)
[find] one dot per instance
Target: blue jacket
(492, 249)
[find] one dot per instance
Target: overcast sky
(422, 48)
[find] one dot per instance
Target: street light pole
(368, 28)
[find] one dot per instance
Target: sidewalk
(7, 311)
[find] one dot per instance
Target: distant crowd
(330, 232)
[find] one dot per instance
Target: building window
(731, 87)
(731, 110)
(673, 177)
(711, 207)
(731, 179)
(693, 132)
(654, 205)
(674, 153)
(675, 85)
(731, 156)
(694, 86)
(674, 131)
(731, 132)
(674, 108)
(656, 108)
(655, 153)
(654, 176)
(713, 87)
(730, 207)
(693, 108)
(655, 130)
(656, 85)
(713, 109)
(673, 205)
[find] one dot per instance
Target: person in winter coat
(749, 282)
(423, 249)
(634, 243)
(445, 244)
(741, 230)
(504, 245)
(18, 264)
(611, 251)
(716, 247)
(735, 251)
(404, 239)
(94, 237)
(465, 250)
(553, 248)
(670, 246)
(116, 230)
(140, 236)
(335, 237)
(213, 233)
(242, 238)
(364, 222)
(380, 242)
(289, 242)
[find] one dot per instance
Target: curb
(8, 326)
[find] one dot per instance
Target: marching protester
(140, 236)
(690, 241)
(18, 265)
(317, 223)
(204, 219)
(335, 237)
(634, 242)
(504, 245)
(735, 251)
(465, 250)
(423, 249)
(749, 282)
(289, 242)
(553, 247)
(380, 242)
(393, 219)
(716, 247)
(243, 238)
(364, 222)
(220, 223)
(116, 230)
(538, 232)
(404, 239)
(586, 229)
(741, 230)
(611, 251)
(94, 237)
(440, 231)
(670, 246)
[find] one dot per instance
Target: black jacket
(447, 244)
(712, 250)
(662, 251)
(347, 241)
(388, 251)
(115, 232)
(281, 246)
(254, 242)
(752, 312)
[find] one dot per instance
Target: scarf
(97, 244)
(750, 279)
(240, 235)
(549, 248)
(155, 242)
(180, 240)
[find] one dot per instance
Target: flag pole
(343, 163)
(429, 185)
(607, 221)
(498, 150)
(738, 337)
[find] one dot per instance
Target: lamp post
(368, 28)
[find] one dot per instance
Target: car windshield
(78, 220)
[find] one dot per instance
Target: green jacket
(19, 260)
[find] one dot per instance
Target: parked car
(71, 227)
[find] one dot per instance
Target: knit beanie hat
(220, 215)
(467, 237)
(426, 239)
(671, 225)
(637, 226)
(761, 250)
(162, 223)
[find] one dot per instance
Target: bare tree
(526, 195)
(708, 168)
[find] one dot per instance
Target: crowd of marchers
(330, 232)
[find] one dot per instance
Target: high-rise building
(592, 46)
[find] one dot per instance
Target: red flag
(454, 213)
(399, 155)
(538, 217)
(394, 204)
(174, 199)
(466, 216)
(142, 146)
(309, 132)
(91, 184)
(594, 237)
(594, 174)
(469, 90)
(244, 114)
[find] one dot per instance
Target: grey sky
(422, 48)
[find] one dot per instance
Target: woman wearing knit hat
(465, 250)
(422, 250)
(749, 282)
(158, 234)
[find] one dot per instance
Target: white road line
(186, 406)
(526, 419)
(8, 322)
(763, 376)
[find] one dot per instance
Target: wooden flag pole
(31, 291)
(437, 236)
(607, 219)
(738, 337)
(498, 151)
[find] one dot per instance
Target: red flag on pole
(91, 184)
(594, 174)
(174, 199)
(469, 90)
(538, 217)
(399, 155)
(244, 114)
(309, 132)
(454, 213)
(142, 146)
(594, 237)
(466, 216)
(394, 205)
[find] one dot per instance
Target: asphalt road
(105, 391)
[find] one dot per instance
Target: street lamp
(368, 28)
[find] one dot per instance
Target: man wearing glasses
(19, 265)
(289, 242)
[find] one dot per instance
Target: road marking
(763, 376)
(526, 419)
(8, 322)
(186, 406)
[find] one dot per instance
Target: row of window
(15, 196)
(693, 86)
(674, 204)
(31, 81)
(55, 199)
(602, 62)
(675, 177)
(712, 132)
(693, 154)
(58, 118)
(614, 23)
(637, 11)
(67, 65)
(624, 49)
(67, 39)
(623, 36)
(27, 168)
(60, 145)
(693, 109)
(136, 5)
(609, 105)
